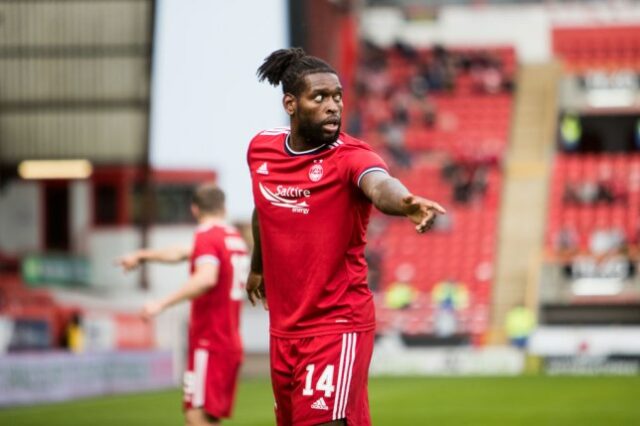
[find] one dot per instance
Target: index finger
(437, 207)
(250, 295)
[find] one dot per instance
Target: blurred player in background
(313, 187)
(218, 268)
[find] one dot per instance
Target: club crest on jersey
(316, 171)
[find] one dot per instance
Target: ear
(289, 102)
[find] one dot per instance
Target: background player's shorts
(320, 379)
(210, 381)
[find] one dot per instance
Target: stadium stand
(591, 192)
(459, 115)
(31, 309)
(596, 190)
(605, 47)
(40, 322)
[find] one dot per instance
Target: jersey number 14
(324, 383)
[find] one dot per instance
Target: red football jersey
(313, 218)
(215, 315)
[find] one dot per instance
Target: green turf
(535, 401)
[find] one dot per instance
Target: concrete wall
(20, 210)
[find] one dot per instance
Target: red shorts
(320, 379)
(210, 381)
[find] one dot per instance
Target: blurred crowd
(391, 97)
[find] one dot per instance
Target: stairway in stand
(524, 197)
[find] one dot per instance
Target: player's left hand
(421, 212)
(151, 309)
(128, 262)
(255, 289)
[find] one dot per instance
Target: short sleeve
(206, 250)
(360, 162)
(249, 150)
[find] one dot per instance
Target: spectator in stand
(566, 243)
(603, 190)
(486, 74)
(607, 241)
(448, 297)
(354, 121)
(440, 72)
(372, 73)
(610, 189)
(399, 295)
(405, 50)
(400, 101)
(566, 240)
(581, 193)
(468, 177)
(519, 326)
(570, 131)
(394, 141)
(75, 333)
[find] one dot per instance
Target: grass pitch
(534, 401)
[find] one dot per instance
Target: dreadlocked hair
(289, 67)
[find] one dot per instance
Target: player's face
(319, 108)
(195, 211)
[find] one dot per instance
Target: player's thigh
(211, 381)
(222, 383)
(330, 379)
(354, 406)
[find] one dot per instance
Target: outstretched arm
(131, 261)
(390, 196)
(255, 283)
(203, 278)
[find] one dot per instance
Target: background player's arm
(390, 196)
(203, 278)
(131, 261)
(255, 283)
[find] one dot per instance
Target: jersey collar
(208, 224)
(290, 150)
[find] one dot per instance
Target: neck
(299, 143)
(210, 219)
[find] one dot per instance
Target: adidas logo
(263, 169)
(320, 405)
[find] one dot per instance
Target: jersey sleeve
(206, 251)
(361, 161)
(250, 148)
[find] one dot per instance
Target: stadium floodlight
(55, 169)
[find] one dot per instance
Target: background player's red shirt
(313, 218)
(215, 315)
